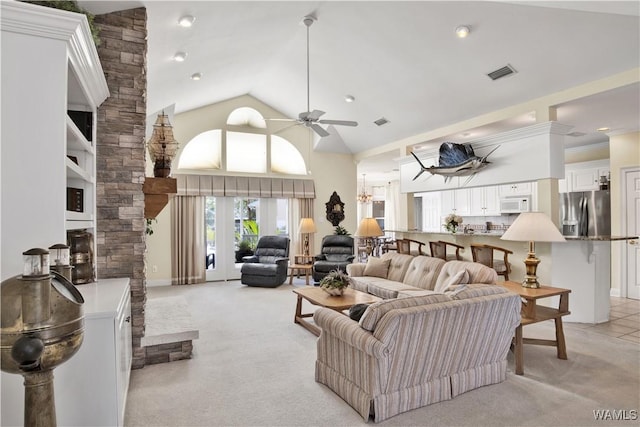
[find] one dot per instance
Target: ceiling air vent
(381, 121)
(502, 72)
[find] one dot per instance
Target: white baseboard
(614, 292)
(158, 282)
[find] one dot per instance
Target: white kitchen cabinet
(485, 201)
(583, 176)
(91, 387)
(519, 189)
(431, 208)
(49, 66)
(456, 201)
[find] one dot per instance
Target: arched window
(245, 150)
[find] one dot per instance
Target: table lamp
(306, 227)
(369, 229)
(532, 227)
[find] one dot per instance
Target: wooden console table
(533, 313)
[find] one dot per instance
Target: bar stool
(484, 254)
(404, 247)
(439, 250)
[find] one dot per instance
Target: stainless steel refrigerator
(585, 213)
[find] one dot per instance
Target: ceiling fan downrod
(308, 21)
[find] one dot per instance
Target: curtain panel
(244, 186)
(187, 240)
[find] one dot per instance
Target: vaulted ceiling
(400, 61)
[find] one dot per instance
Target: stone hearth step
(169, 330)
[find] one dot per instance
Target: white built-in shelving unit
(49, 66)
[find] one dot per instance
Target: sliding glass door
(233, 227)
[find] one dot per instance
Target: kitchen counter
(600, 238)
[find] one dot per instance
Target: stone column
(121, 239)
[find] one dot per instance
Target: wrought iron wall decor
(335, 209)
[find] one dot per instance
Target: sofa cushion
(478, 273)
(377, 310)
(416, 293)
(387, 289)
(423, 272)
(477, 290)
(460, 278)
(377, 267)
(398, 266)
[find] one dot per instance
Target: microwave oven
(515, 204)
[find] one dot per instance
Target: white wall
(329, 171)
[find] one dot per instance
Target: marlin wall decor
(455, 160)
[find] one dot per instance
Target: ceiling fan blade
(286, 127)
(280, 120)
(315, 115)
(338, 122)
(319, 130)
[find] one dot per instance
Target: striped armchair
(406, 353)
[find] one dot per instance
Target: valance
(244, 186)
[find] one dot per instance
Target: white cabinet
(91, 387)
(519, 189)
(485, 201)
(583, 176)
(49, 66)
(456, 201)
(431, 208)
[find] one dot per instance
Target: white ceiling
(400, 60)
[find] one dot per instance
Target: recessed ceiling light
(463, 31)
(186, 21)
(180, 56)
(349, 98)
(196, 76)
(603, 129)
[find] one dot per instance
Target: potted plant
(244, 249)
(335, 282)
(340, 231)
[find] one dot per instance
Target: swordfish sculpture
(455, 160)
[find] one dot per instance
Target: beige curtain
(187, 240)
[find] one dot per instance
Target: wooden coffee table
(317, 296)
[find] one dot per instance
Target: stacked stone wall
(121, 159)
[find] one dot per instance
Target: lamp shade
(533, 227)
(368, 228)
(306, 226)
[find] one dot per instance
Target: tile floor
(624, 320)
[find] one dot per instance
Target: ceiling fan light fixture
(180, 56)
(463, 31)
(186, 21)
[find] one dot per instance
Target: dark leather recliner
(268, 266)
(336, 252)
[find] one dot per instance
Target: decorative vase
(334, 291)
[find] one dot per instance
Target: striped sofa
(396, 275)
(406, 353)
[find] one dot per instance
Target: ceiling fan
(311, 119)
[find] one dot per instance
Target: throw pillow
(460, 278)
(356, 311)
(377, 267)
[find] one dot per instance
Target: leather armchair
(267, 267)
(335, 254)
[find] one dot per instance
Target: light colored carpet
(252, 366)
